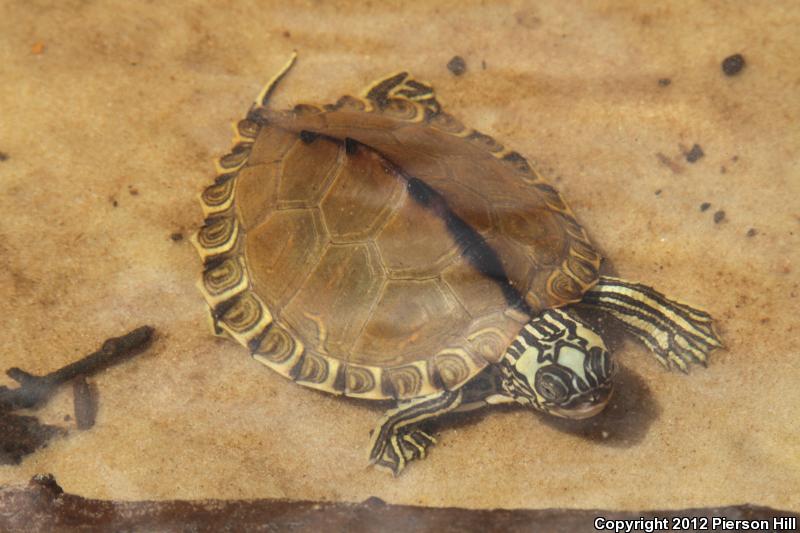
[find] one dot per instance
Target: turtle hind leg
(399, 438)
(674, 332)
(403, 86)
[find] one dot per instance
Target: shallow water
(112, 114)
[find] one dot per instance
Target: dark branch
(34, 390)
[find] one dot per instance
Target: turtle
(379, 249)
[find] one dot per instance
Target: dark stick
(35, 389)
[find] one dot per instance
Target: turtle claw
(401, 447)
(414, 444)
(679, 353)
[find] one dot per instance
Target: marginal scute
(312, 368)
(403, 382)
(447, 123)
(521, 165)
(572, 226)
(306, 109)
(218, 235)
(247, 129)
(484, 141)
(585, 271)
(453, 370)
(358, 380)
(552, 197)
(403, 110)
(218, 197)
(245, 315)
(224, 278)
(351, 103)
(564, 288)
(585, 250)
(236, 158)
(278, 346)
(487, 342)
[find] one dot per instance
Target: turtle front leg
(674, 332)
(398, 438)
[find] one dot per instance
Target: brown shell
(354, 248)
(545, 253)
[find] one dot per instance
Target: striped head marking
(560, 366)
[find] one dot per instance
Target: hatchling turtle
(379, 249)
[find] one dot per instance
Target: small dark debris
(658, 192)
(719, 216)
(483, 65)
(21, 436)
(722, 169)
(664, 82)
(3, 156)
(114, 203)
(133, 190)
(177, 236)
(704, 206)
(735, 158)
(694, 154)
(287, 34)
(752, 232)
(457, 65)
(733, 65)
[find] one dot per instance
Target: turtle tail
(263, 97)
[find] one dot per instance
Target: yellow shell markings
(241, 312)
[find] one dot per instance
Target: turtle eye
(553, 383)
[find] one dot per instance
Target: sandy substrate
(112, 113)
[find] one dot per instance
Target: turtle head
(557, 364)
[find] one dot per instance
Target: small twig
(84, 400)
(33, 390)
